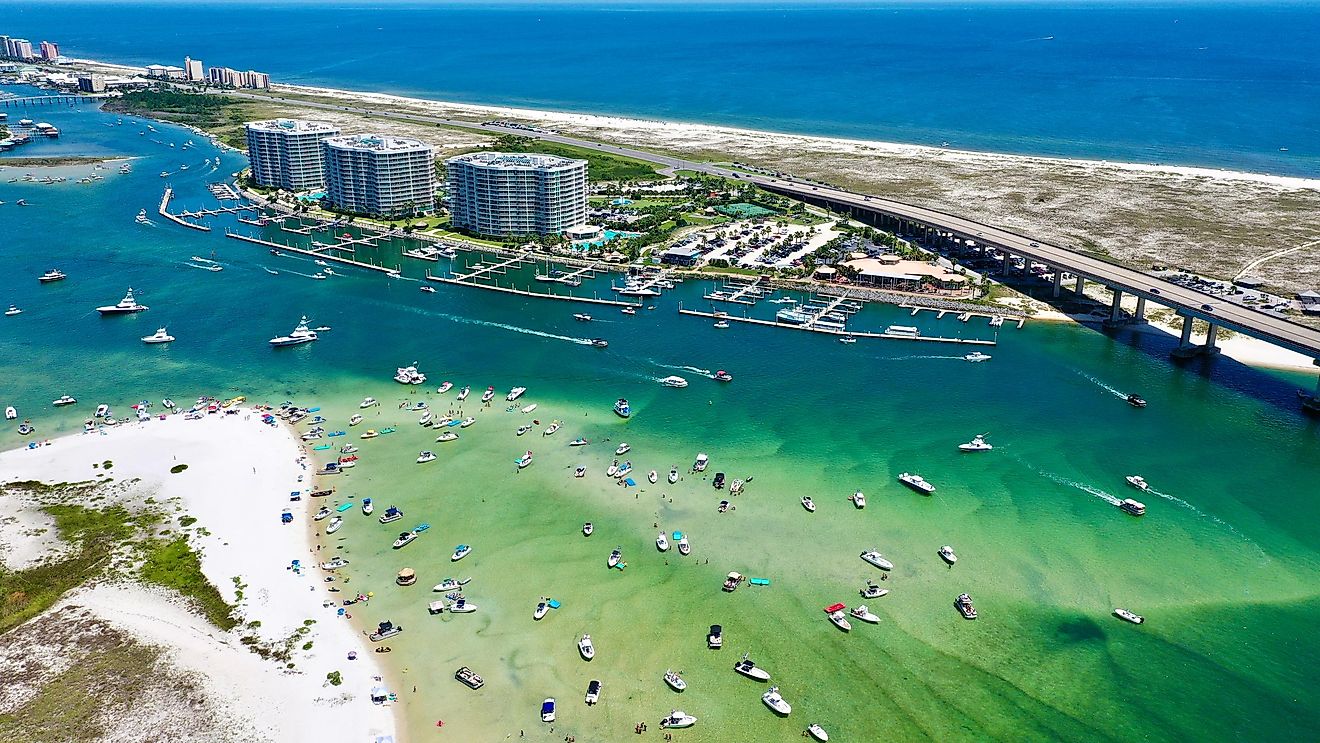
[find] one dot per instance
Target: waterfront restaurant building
(286, 154)
(379, 175)
(892, 272)
(499, 194)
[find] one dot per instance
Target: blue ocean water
(1228, 85)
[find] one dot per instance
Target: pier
(494, 268)
(46, 100)
(314, 254)
(832, 304)
(832, 331)
(643, 287)
(572, 278)
(525, 293)
(740, 293)
(965, 315)
(164, 212)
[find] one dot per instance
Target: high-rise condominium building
(496, 193)
(286, 153)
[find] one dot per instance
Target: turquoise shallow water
(1223, 565)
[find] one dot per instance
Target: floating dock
(164, 212)
(525, 293)
(831, 331)
(996, 319)
(312, 253)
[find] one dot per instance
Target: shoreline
(239, 541)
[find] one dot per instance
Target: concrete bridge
(45, 100)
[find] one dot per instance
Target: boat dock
(572, 278)
(200, 213)
(996, 319)
(164, 211)
(525, 293)
(223, 191)
(832, 331)
(660, 278)
(481, 270)
(821, 309)
(323, 254)
(738, 293)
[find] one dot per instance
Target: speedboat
(409, 375)
(11, 413)
(673, 476)
(615, 557)
(321, 514)
(662, 542)
(622, 449)
(684, 548)
(624, 470)
(587, 529)
(548, 710)
(126, 305)
(677, 718)
(715, 637)
(975, 356)
(523, 429)
(26, 428)
(817, 733)
(428, 289)
(529, 408)
(593, 692)
(334, 525)
(1136, 401)
(580, 471)
(700, 464)
(370, 434)
(612, 469)
(873, 557)
(976, 444)
(917, 483)
(467, 422)
(367, 506)
(450, 584)
(653, 477)
(964, 605)
(334, 564)
(425, 420)
(628, 311)
(675, 681)
(808, 504)
(405, 538)
(775, 702)
(581, 317)
(460, 552)
(354, 419)
(674, 381)
(63, 400)
(1136, 508)
(488, 395)
(585, 647)
(447, 436)
(721, 324)
(552, 428)
(749, 669)
(160, 336)
(463, 393)
(722, 376)
(736, 486)
(515, 393)
(1138, 482)
(847, 339)
(102, 411)
(621, 408)
(301, 334)
(599, 343)
(462, 606)
(862, 612)
(837, 617)
(718, 482)
(426, 456)
(391, 514)
(442, 389)
(52, 275)
(167, 403)
(347, 449)
(1128, 616)
(578, 442)
(524, 460)
(368, 402)
(858, 499)
(946, 554)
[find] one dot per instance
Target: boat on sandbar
(587, 529)
(334, 525)
(873, 557)
(818, 733)
(515, 393)
(447, 436)
(405, 538)
(808, 504)
(836, 616)
(488, 395)
(552, 428)
(1128, 616)
(675, 681)
(461, 551)
(426, 456)
(336, 563)
(580, 471)
(858, 499)
(964, 606)
(368, 506)
(463, 393)
(653, 477)
(622, 449)
(469, 679)
(662, 542)
(548, 710)
(862, 612)
(673, 475)
(917, 483)
(524, 460)
(749, 669)
(612, 469)
(371, 433)
(385, 630)
(677, 719)
(368, 402)
(684, 547)
(578, 442)
(585, 647)
(442, 389)
(701, 462)
(354, 419)
(621, 408)
(542, 608)
(391, 515)
(63, 400)
(776, 702)
(715, 637)
(616, 556)
(529, 408)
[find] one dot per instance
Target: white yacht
(808, 504)
(368, 402)
(623, 449)
(442, 389)
(818, 733)
(585, 647)
(552, 428)
(678, 719)
(52, 275)
(63, 400)
(662, 542)
(837, 617)
(515, 393)
(917, 483)
(862, 612)
(1128, 616)
(13, 310)
(721, 324)
(410, 375)
(701, 463)
(405, 539)
(126, 305)
(873, 557)
(975, 356)
(1136, 508)
(301, 334)
(447, 436)
(426, 456)
(160, 336)
(749, 669)
(463, 393)
(1138, 482)
(775, 702)
(334, 525)
(976, 444)
(859, 499)
(675, 681)
(946, 554)
(674, 381)
(488, 395)
(354, 419)
(673, 475)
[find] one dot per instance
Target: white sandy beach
(240, 473)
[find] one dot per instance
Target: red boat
(835, 607)
(723, 376)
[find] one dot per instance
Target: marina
(817, 327)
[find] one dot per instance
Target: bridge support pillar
(1185, 348)
(1008, 263)
(1186, 332)
(1140, 315)
(1210, 348)
(1116, 307)
(1058, 281)
(1080, 288)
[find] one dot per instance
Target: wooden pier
(314, 254)
(831, 331)
(965, 315)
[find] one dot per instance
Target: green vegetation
(334, 678)
(217, 114)
(600, 166)
(176, 469)
(48, 162)
(174, 564)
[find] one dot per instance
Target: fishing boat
(581, 317)
(391, 515)
(488, 395)
(862, 612)
(63, 400)
(368, 402)
(1138, 482)
(529, 408)
(160, 336)
(1136, 401)
(442, 389)
(354, 419)
(405, 538)
(976, 357)
(662, 542)
(599, 343)
(837, 617)
(808, 504)
(776, 702)
(615, 557)
(580, 471)
(749, 669)
(548, 710)
(426, 456)
(515, 393)
(542, 608)
(917, 483)
(587, 529)
(684, 547)
(964, 605)
(622, 449)
(675, 681)
(524, 460)
(946, 554)
(367, 506)
(673, 475)
(385, 630)
(674, 381)
(321, 514)
(585, 647)
(701, 462)
(301, 334)
(858, 499)
(552, 428)
(52, 275)
(578, 442)
(10, 413)
(461, 551)
(677, 719)
(715, 637)
(722, 376)
(127, 305)
(872, 557)
(653, 477)
(1128, 616)
(13, 310)
(976, 444)
(447, 436)
(334, 525)
(1136, 508)
(463, 393)
(621, 408)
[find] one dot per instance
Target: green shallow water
(1223, 565)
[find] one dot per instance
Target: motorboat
(675, 681)
(817, 733)
(524, 460)
(700, 464)
(976, 444)
(321, 514)
(612, 469)
(587, 529)
(862, 612)
(662, 542)
(425, 420)
(52, 275)
(126, 305)
(426, 456)
(677, 719)
(722, 376)
(462, 606)
(718, 482)
(946, 554)
(442, 389)
(467, 422)
(917, 483)
(776, 703)
(721, 324)
(515, 393)
(615, 557)
(593, 692)
(684, 547)
(580, 471)
(368, 402)
(1136, 401)
(447, 436)
(1136, 508)
(334, 525)
(529, 408)
(384, 631)
(410, 375)
(542, 608)
(808, 504)
(354, 419)
(428, 289)
(548, 710)
(585, 647)
(552, 428)
(578, 442)
(461, 551)
(628, 311)
(624, 470)
(749, 669)
(371, 433)
(977, 356)
(621, 408)
(301, 334)
(1128, 616)
(653, 477)
(160, 336)
(581, 317)
(102, 411)
(405, 538)
(167, 403)
(488, 395)
(367, 506)
(11, 413)
(469, 679)
(13, 310)
(1138, 482)
(26, 428)
(347, 449)
(63, 400)
(715, 637)
(872, 557)
(673, 475)
(450, 584)
(622, 449)
(334, 564)
(463, 393)
(737, 486)
(837, 617)
(723, 507)
(847, 339)
(599, 343)
(674, 381)
(391, 514)
(858, 499)
(964, 606)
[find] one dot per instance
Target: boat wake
(1096, 492)
(924, 356)
(1102, 385)
(1184, 504)
(516, 329)
(680, 367)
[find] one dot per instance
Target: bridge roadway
(1187, 302)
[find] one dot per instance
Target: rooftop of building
(376, 143)
(298, 126)
(894, 267)
(515, 160)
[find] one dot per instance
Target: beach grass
(600, 166)
(174, 564)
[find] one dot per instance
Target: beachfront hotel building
(378, 175)
(497, 193)
(286, 153)
(192, 69)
